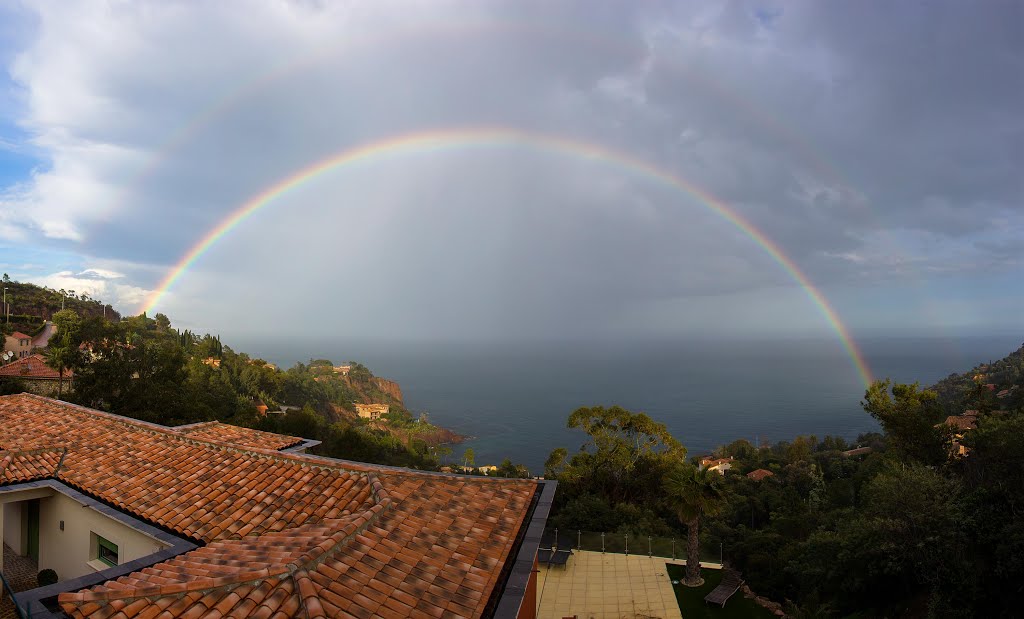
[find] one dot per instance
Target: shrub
(47, 577)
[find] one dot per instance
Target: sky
(878, 146)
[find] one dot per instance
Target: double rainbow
(447, 139)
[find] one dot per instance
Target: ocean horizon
(514, 397)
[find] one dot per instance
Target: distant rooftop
(33, 366)
(238, 436)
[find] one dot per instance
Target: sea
(513, 397)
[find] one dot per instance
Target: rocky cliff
(390, 388)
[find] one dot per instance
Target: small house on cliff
(373, 412)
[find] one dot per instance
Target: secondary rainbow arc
(464, 137)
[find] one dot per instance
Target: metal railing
(629, 544)
(6, 590)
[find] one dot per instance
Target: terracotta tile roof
(960, 422)
(856, 451)
(759, 474)
(284, 535)
(18, 335)
(18, 466)
(33, 366)
(237, 436)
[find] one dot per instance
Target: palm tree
(693, 492)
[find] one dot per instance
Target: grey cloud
(845, 132)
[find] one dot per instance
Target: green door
(33, 529)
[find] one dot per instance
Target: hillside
(996, 385)
(31, 305)
(142, 367)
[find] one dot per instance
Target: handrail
(630, 544)
(17, 607)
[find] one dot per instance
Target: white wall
(68, 552)
(14, 536)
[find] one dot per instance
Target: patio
(605, 586)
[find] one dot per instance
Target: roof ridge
(191, 427)
(155, 428)
(309, 599)
(325, 462)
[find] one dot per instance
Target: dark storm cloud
(869, 141)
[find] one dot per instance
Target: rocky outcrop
(389, 388)
(773, 607)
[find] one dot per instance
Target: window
(106, 550)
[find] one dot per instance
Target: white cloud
(96, 283)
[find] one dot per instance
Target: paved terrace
(607, 586)
(596, 585)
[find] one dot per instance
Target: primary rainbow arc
(489, 136)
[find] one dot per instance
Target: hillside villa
(373, 412)
(143, 520)
(720, 465)
(960, 424)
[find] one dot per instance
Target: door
(32, 519)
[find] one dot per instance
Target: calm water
(514, 398)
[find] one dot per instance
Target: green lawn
(691, 599)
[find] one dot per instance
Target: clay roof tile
(285, 535)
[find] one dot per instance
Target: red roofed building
(721, 465)
(961, 422)
(36, 375)
(213, 521)
(760, 474)
(959, 425)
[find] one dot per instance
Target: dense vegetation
(141, 367)
(956, 391)
(906, 529)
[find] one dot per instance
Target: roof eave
(513, 593)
